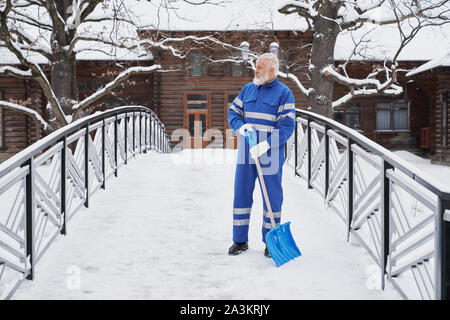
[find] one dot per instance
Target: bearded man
(267, 106)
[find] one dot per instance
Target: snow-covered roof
(443, 61)
(241, 15)
(100, 53)
(7, 57)
(231, 15)
(428, 44)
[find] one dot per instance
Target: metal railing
(398, 213)
(43, 186)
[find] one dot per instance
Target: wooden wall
(164, 91)
(418, 110)
(171, 86)
(137, 90)
(442, 154)
(19, 130)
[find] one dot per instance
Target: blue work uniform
(270, 109)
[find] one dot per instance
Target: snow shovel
(279, 240)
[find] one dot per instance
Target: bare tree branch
(28, 111)
(111, 85)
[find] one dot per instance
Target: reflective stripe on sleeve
(238, 102)
(286, 106)
(290, 115)
(237, 110)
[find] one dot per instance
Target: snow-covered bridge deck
(162, 229)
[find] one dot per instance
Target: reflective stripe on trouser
(244, 185)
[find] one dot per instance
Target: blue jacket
(270, 109)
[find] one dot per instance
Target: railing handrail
(413, 172)
(374, 205)
(27, 153)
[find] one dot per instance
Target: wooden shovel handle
(266, 196)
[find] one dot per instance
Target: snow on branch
(365, 87)
(29, 111)
(304, 9)
(394, 90)
(294, 78)
(329, 71)
(15, 72)
(111, 85)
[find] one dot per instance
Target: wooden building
(432, 79)
(18, 130)
(193, 94)
(202, 85)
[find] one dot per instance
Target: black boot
(237, 248)
(267, 253)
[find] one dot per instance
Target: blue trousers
(244, 185)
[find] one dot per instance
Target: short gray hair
(271, 60)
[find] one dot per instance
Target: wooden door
(196, 119)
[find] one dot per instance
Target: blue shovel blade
(281, 244)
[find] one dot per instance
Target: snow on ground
(162, 229)
(437, 171)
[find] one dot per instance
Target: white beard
(261, 80)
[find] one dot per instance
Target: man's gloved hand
(258, 150)
(245, 126)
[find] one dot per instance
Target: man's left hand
(259, 149)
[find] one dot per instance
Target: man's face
(261, 73)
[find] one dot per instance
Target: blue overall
(270, 110)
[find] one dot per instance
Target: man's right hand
(244, 127)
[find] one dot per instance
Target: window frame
(204, 66)
(346, 108)
(391, 115)
(228, 70)
(2, 123)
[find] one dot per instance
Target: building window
(2, 126)
(96, 85)
(392, 116)
(349, 115)
(82, 85)
(236, 69)
(282, 61)
(229, 98)
(198, 64)
(2, 122)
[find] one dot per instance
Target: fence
(399, 214)
(43, 186)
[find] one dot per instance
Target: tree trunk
(324, 40)
(63, 81)
(63, 64)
